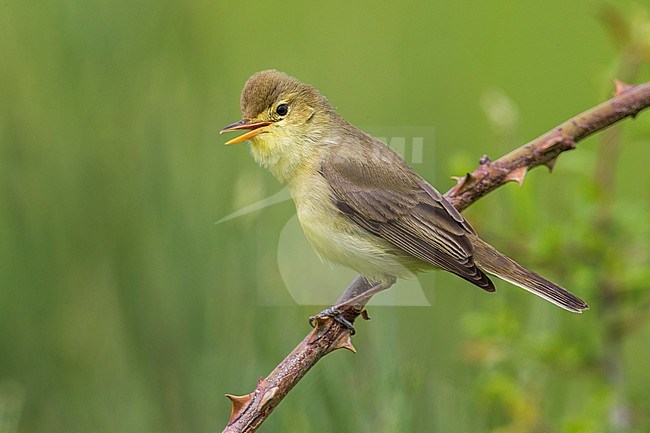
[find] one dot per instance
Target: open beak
(253, 130)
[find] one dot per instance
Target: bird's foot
(336, 314)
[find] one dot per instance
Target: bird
(359, 203)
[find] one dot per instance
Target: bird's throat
(285, 159)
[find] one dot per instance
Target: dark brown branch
(544, 150)
(249, 411)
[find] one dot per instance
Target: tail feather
(490, 260)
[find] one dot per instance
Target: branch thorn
(620, 87)
(344, 342)
(550, 164)
(464, 183)
(239, 404)
(320, 325)
(517, 175)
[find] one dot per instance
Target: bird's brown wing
(397, 205)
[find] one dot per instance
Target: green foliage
(123, 307)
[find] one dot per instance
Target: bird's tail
(490, 260)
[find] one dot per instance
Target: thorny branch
(249, 411)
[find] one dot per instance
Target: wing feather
(400, 207)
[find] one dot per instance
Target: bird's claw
(335, 314)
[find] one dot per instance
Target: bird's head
(284, 120)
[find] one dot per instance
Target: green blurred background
(123, 307)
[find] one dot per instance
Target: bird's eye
(282, 109)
